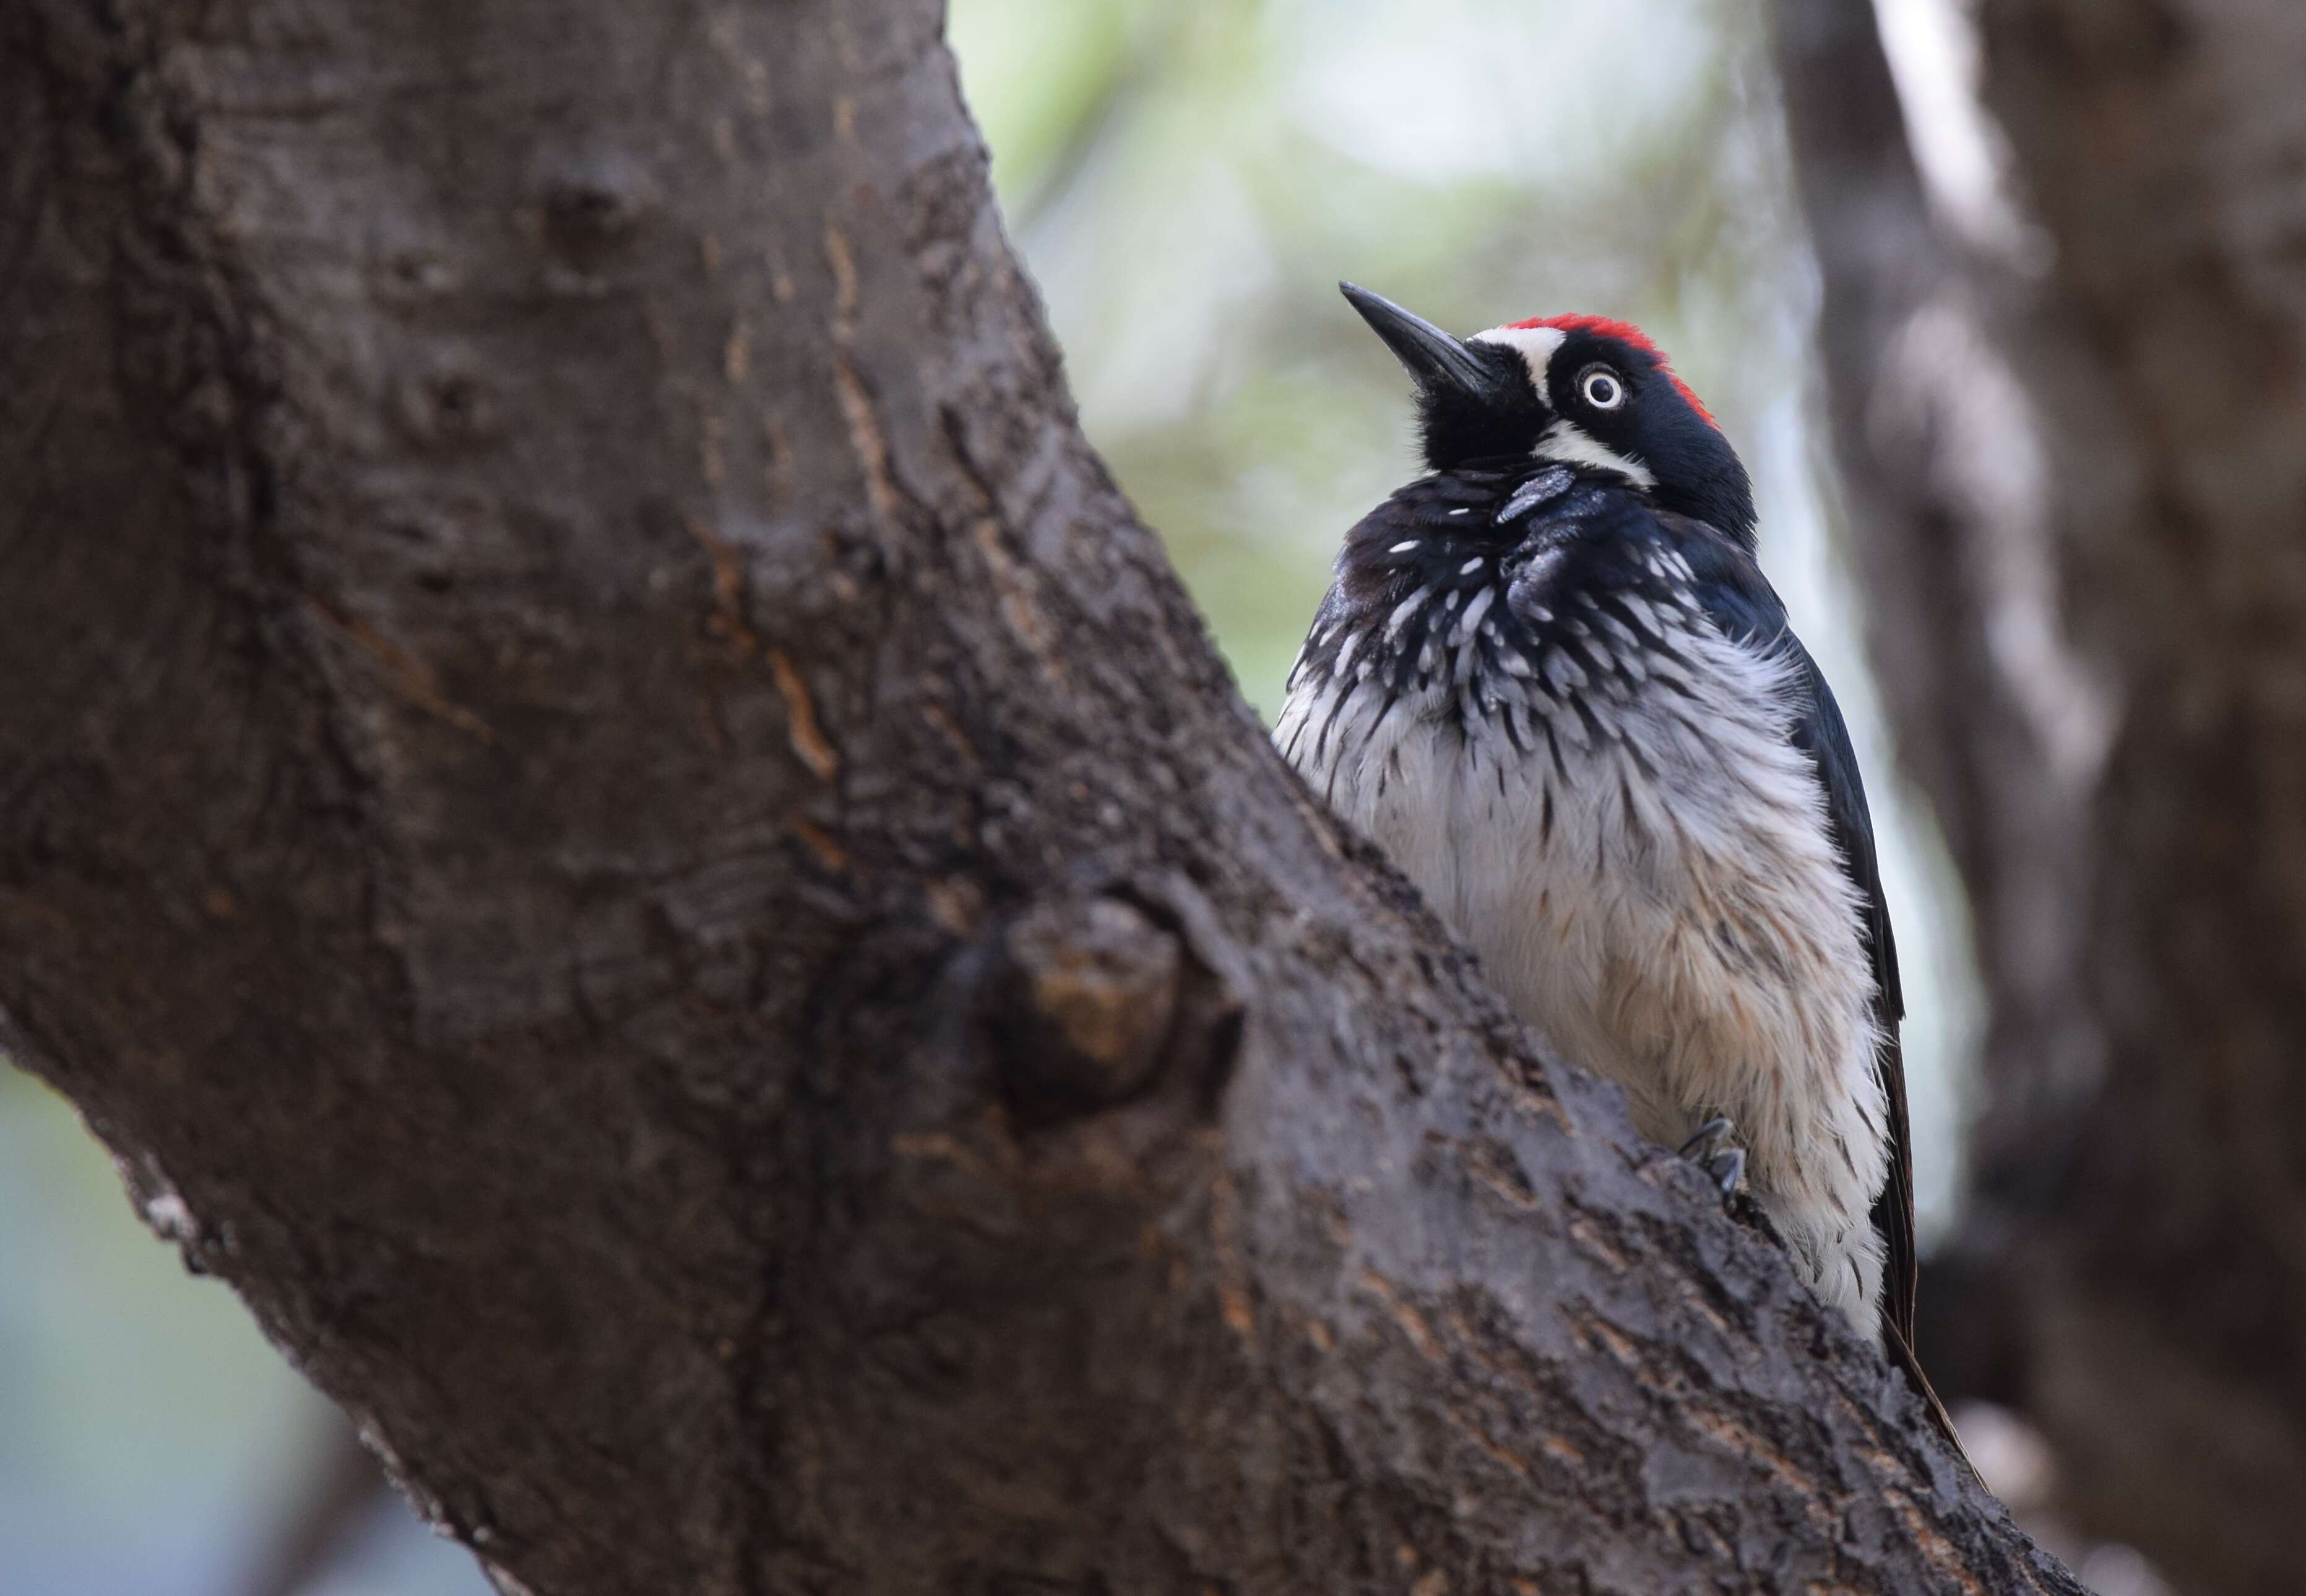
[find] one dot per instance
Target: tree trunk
(2142, 1168)
(615, 821)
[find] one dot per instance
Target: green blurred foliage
(1189, 181)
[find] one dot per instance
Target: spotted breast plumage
(1551, 682)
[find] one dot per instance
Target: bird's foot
(1712, 1150)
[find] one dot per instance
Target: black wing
(1731, 589)
(1821, 734)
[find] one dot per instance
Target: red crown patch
(1625, 332)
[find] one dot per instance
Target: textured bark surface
(605, 807)
(2142, 1167)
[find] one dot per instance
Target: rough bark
(2139, 1253)
(615, 821)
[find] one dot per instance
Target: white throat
(1564, 442)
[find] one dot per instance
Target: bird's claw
(1713, 1151)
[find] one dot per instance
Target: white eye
(1601, 387)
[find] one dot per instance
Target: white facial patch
(1562, 441)
(1536, 346)
(1567, 443)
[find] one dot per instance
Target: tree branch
(617, 823)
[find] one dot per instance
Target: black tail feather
(1901, 1353)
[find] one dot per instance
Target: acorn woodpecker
(1551, 682)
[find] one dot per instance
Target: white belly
(1662, 904)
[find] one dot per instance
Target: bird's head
(1581, 389)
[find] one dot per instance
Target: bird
(1551, 681)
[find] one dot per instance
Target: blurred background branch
(1930, 276)
(2067, 345)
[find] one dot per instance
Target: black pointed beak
(1437, 363)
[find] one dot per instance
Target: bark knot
(1087, 1001)
(594, 204)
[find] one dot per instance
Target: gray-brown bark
(616, 823)
(2142, 1169)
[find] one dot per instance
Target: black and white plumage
(1551, 680)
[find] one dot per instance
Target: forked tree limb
(609, 812)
